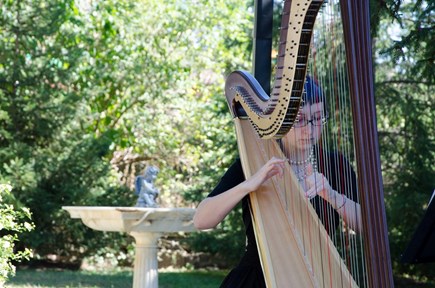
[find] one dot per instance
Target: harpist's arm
(317, 184)
(349, 210)
(212, 210)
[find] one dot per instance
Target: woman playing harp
(311, 164)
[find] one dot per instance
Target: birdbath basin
(146, 225)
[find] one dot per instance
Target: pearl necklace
(301, 172)
(306, 161)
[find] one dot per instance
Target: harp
(295, 248)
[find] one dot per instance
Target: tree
(405, 106)
(48, 162)
(85, 84)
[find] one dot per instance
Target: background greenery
(15, 222)
(91, 92)
(45, 278)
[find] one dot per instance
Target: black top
(421, 248)
(249, 273)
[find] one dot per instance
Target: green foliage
(405, 106)
(413, 49)
(35, 79)
(12, 222)
(87, 81)
(408, 153)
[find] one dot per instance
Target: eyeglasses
(317, 120)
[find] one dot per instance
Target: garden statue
(145, 189)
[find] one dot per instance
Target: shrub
(12, 222)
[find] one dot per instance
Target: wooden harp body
(294, 247)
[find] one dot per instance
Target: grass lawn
(44, 278)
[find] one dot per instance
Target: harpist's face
(307, 128)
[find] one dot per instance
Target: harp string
(330, 145)
(326, 214)
(355, 243)
(338, 122)
(337, 135)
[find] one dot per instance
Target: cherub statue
(145, 189)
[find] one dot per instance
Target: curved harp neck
(273, 116)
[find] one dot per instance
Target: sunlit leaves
(87, 81)
(12, 222)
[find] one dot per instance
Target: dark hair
(313, 93)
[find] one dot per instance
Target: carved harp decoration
(296, 250)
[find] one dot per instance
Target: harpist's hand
(317, 184)
(274, 166)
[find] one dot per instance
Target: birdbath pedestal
(146, 225)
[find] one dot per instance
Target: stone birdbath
(146, 225)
